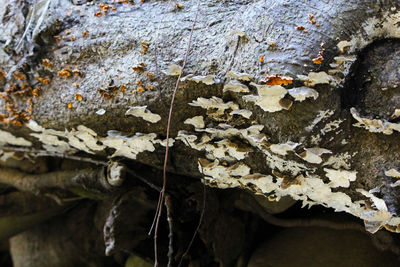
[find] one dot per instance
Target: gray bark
(333, 164)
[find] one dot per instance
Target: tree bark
(293, 100)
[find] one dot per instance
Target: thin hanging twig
(162, 192)
(198, 226)
(168, 207)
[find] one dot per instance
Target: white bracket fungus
(393, 173)
(305, 186)
(223, 149)
(163, 143)
(197, 122)
(233, 149)
(239, 76)
(173, 70)
(187, 139)
(101, 112)
(313, 154)
(395, 184)
(84, 139)
(396, 114)
(240, 33)
(214, 103)
(301, 93)
(129, 147)
(226, 174)
(51, 139)
(374, 125)
(268, 98)
(144, 113)
(340, 178)
(315, 78)
(208, 80)
(342, 45)
(236, 87)
(242, 112)
(342, 65)
(8, 138)
(282, 149)
(34, 126)
(4, 156)
(375, 219)
(339, 60)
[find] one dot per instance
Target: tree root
(83, 182)
(382, 240)
(20, 211)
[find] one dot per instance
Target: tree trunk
(297, 101)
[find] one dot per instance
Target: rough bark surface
(292, 100)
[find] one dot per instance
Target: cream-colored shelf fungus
(224, 130)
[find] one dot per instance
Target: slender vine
(161, 199)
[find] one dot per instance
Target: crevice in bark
(354, 89)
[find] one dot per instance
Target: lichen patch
(331, 126)
(338, 161)
(375, 28)
(322, 115)
(384, 26)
